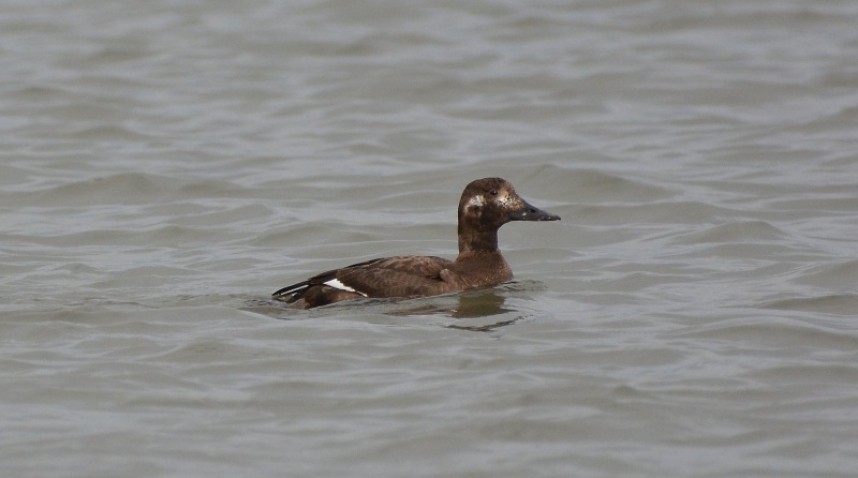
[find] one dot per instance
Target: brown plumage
(486, 204)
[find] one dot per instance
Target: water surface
(167, 165)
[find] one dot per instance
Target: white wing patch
(336, 284)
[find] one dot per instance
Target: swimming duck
(486, 205)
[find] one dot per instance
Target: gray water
(166, 165)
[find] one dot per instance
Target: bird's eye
(493, 192)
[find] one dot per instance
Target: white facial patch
(504, 199)
(477, 201)
(336, 284)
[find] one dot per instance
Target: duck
(485, 205)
